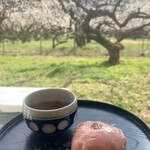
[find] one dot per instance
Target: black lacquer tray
(15, 135)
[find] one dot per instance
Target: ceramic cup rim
(47, 89)
(52, 113)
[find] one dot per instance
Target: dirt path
(134, 42)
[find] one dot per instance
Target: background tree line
(83, 20)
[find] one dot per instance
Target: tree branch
(63, 6)
(134, 15)
(117, 4)
(80, 6)
(130, 32)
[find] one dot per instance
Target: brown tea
(49, 105)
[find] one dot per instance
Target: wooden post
(3, 48)
(142, 53)
(41, 46)
(53, 45)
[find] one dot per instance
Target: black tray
(15, 135)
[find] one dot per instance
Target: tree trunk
(114, 56)
(80, 40)
(96, 35)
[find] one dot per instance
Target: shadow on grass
(105, 64)
(69, 70)
(28, 69)
(64, 67)
(22, 82)
(61, 52)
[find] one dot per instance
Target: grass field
(131, 48)
(126, 85)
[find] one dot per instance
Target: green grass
(33, 47)
(92, 78)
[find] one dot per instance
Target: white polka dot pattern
(48, 128)
(63, 124)
(33, 126)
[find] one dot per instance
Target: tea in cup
(50, 111)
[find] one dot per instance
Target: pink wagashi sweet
(97, 135)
